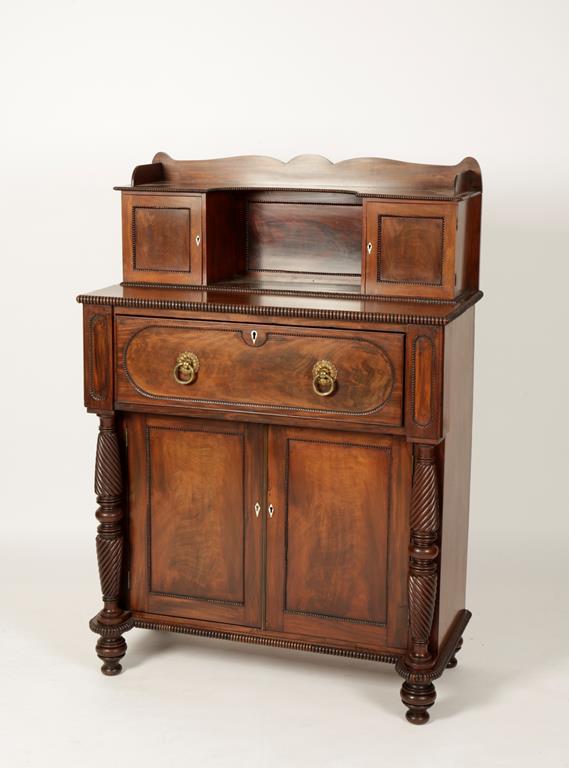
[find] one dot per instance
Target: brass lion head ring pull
(324, 378)
(187, 366)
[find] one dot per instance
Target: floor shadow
(498, 656)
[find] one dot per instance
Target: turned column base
(111, 645)
(111, 650)
(418, 697)
(418, 692)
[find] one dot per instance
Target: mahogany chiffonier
(284, 386)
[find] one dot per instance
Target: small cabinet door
(195, 534)
(337, 536)
(410, 248)
(162, 238)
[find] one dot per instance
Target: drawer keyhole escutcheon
(324, 378)
(254, 336)
(257, 509)
(271, 510)
(198, 240)
(369, 247)
(186, 368)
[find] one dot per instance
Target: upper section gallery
(366, 226)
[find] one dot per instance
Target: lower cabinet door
(337, 540)
(195, 536)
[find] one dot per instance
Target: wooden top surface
(369, 176)
(331, 304)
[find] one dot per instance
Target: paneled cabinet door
(162, 238)
(195, 534)
(337, 538)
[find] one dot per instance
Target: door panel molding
(373, 533)
(219, 579)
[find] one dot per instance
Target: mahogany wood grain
(257, 636)
(98, 357)
(242, 505)
(337, 540)
(362, 174)
(261, 368)
(410, 248)
(162, 238)
(309, 308)
(456, 454)
(113, 620)
(424, 380)
(303, 238)
(225, 236)
(471, 222)
(229, 414)
(195, 538)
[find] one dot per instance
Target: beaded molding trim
(268, 406)
(185, 190)
(104, 393)
(110, 630)
(313, 314)
(134, 236)
(414, 378)
(244, 288)
(387, 658)
(380, 279)
(148, 451)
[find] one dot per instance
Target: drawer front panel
(262, 369)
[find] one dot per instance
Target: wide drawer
(353, 376)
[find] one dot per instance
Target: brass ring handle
(324, 378)
(188, 365)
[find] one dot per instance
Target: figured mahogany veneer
(261, 368)
(162, 238)
(337, 550)
(421, 248)
(284, 386)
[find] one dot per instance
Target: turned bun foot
(418, 697)
(453, 661)
(111, 645)
(111, 650)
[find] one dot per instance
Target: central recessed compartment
(302, 238)
(286, 237)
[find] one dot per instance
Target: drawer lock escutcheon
(186, 368)
(324, 378)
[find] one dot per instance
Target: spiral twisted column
(419, 694)
(111, 621)
(423, 552)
